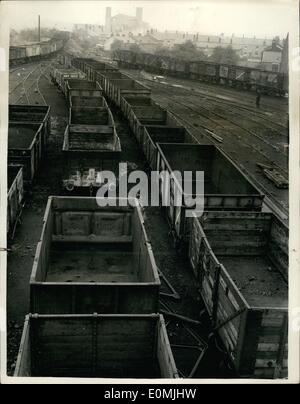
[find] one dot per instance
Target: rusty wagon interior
(91, 116)
(32, 113)
(91, 138)
(83, 243)
(81, 84)
(150, 115)
(253, 248)
(221, 176)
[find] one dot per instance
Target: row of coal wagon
(32, 52)
(93, 259)
(28, 130)
(247, 78)
(91, 143)
(94, 287)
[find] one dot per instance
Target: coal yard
(141, 291)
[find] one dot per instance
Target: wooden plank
(270, 331)
(163, 352)
(267, 347)
(266, 339)
(66, 354)
(263, 373)
(250, 344)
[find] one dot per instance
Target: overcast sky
(263, 18)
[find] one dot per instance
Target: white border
(294, 283)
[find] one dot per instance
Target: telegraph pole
(39, 29)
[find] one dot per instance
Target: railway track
(241, 111)
(21, 82)
(272, 126)
(256, 115)
(274, 206)
(242, 131)
(28, 96)
(224, 125)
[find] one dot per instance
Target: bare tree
(224, 55)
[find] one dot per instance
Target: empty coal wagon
(154, 134)
(225, 186)
(106, 346)
(32, 114)
(118, 88)
(240, 261)
(93, 259)
(25, 147)
(88, 151)
(82, 88)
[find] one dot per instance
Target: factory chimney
(139, 15)
(108, 20)
(39, 29)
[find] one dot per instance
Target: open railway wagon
(65, 59)
(32, 114)
(93, 259)
(86, 101)
(153, 134)
(15, 197)
(25, 147)
(103, 78)
(115, 84)
(79, 63)
(240, 261)
(88, 115)
(207, 72)
(106, 346)
(36, 51)
(60, 76)
(129, 102)
(141, 111)
(88, 150)
(174, 67)
(225, 186)
(82, 88)
(271, 83)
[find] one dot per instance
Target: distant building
(169, 39)
(248, 48)
(90, 29)
(108, 20)
(271, 57)
(148, 43)
(127, 40)
(284, 66)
